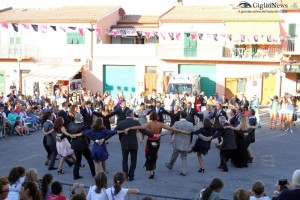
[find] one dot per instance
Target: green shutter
(207, 74)
(18, 40)
(2, 81)
(190, 45)
(292, 30)
(11, 40)
(114, 79)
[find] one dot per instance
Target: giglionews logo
(269, 5)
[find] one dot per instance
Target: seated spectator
(31, 175)
(29, 191)
(16, 178)
(258, 191)
(293, 191)
(241, 194)
(4, 122)
(117, 192)
(98, 190)
(12, 116)
(45, 186)
(81, 195)
(56, 189)
(20, 128)
(212, 191)
(26, 119)
(4, 187)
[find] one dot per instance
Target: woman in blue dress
(99, 151)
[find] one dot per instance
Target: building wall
(289, 83)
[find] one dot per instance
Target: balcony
(291, 46)
(17, 51)
(220, 52)
(125, 51)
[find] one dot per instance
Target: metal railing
(18, 51)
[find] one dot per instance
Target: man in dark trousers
(160, 111)
(80, 146)
(129, 143)
(217, 113)
(88, 113)
(228, 146)
(64, 114)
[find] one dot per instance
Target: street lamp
(20, 74)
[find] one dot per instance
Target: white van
(184, 83)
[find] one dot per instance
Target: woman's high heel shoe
(60, 171)
(151, 175)
(201, 170)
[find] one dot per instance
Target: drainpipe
(92, 42)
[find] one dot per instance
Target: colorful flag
(178, 36)
(16, 27)
(72, 28)
(63, 29)
(114, 33)
(163, 35)
(193, 36)
(156, 35)
(26, 26)
(97, 30)
(139, 34)
(171, 35)
(80, 31)
(147, 34)
(43, 28)
(91, 29)
(215, 37)
(4, 25)
(53, 27)
(35, 27)
(200, 36)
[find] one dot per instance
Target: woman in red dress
(152, 146)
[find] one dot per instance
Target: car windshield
(181, 88)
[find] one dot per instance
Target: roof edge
(6, 9)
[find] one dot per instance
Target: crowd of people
(21, 184)
(69, 125)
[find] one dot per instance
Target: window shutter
(292, 30)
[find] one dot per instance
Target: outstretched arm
(174, 129)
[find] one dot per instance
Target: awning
(254, 32)
(131, 31)
(53, 73)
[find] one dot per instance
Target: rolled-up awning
(54, 72)
(254, 32)
(131, 31)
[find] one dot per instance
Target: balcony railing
(292, 45)
(17, 51)
(249, 52)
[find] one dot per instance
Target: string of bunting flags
(123, 32)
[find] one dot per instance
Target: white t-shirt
(14, 189)
(120, 196)
(92, 195)
(261, 198)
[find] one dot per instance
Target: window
(151, 69)
(14, 40)
(75, 38)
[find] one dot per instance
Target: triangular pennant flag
(97, 30)
(35, 27)
(269, 38)
(200, 36)
(114, 33)
(281, 38)
(178, 36)
(229, 36)
(16, 27)
(80, 31)
(193, 36)
(63, 29)
(139, 34)
(242, 38)
(43, 28)
(4, 25)
(91, 29)
(171, 35)
(255, 38)
(208, 35)
(275, 39)
(156, 35)
(26, 26)
(72, 28)
(147, 34)
(53, 27)
(215, 37)
(163, 35)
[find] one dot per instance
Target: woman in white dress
(117, 192)
(98, 190)
(289, 115)
(63, 146)
(16, 178)
(282, 112)
(142, 117)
